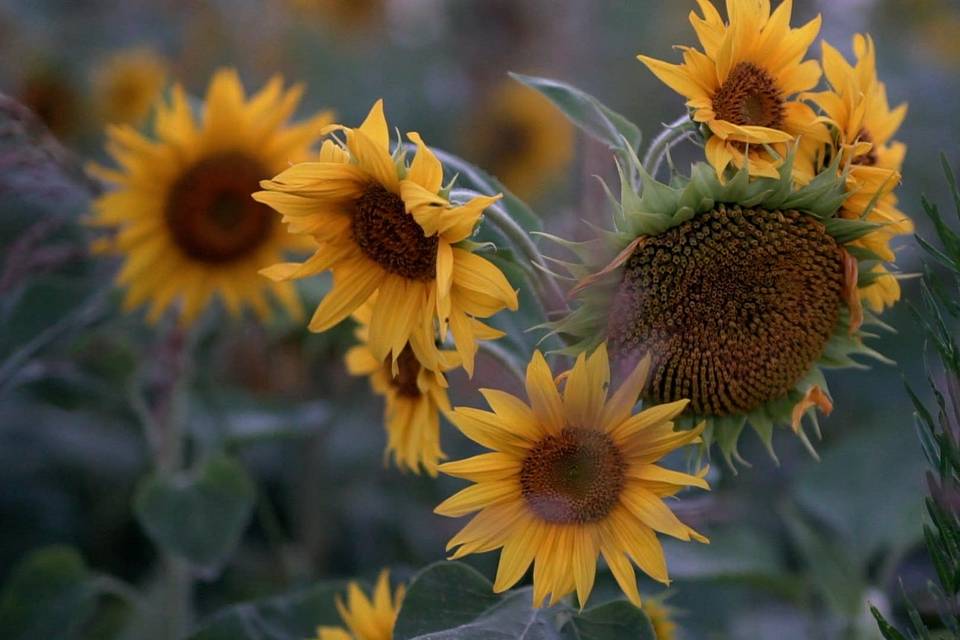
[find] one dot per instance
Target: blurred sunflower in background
(661, 618)
(184, 221)
(856, 106)
(569, 478)
(127, 84)
(741, 87)
(347, 15)
(415, 397)
(387, 227)
(49, 92)
(520, 137)
(367, 618)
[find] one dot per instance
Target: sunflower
(741, 291)
(48, 91)
(185, 223)
(366, 618)
(571, 477)
(661, 618)
(384, 226)
(128, 84)
(856, 106)
(521, 138)
(740, 87)
(347, 15)
(415, 396)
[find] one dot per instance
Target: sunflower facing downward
(385, 226)
(742, 292)
(366, 618)
(856, 106)
(185, 223)
(415, 397)
(740, 86)
(571, 477)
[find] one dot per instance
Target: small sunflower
(128, 84)
(741, 86)
(348, 15)
(521, 138)
(366, 618)
(569, 478)
(856, 106)
(185, 223)
(741, 291)
(415, 396)
(386, 227)
(661, 618)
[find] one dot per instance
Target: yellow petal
(425, 169)
(478, 496)
(543, 395)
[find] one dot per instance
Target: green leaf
(610, 621)
(444, 595)
(200, 515)
(49, 595)
(451, 601)
(833, 572)
(293, 616)
(588, 113)
(888, 631)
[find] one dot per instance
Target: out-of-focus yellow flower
(185, 222)
(384, 227)
(127, 84)
(521, 138)
(661, 617)
(857, 106)
(415, 397)
(570, 477)
(741, 86)
(366, 618)
(349, 15)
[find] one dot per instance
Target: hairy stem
(672, 134)
(544, 286)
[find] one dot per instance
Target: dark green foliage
(49, 595)
(939, 428)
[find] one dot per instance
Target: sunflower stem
(672, 134)
(544, 285)
(176, 351)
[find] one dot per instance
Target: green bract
(651, 209)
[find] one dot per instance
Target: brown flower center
(735, 307)
(869, 158)
(210, 213)
(391, 237)
(573, 477)
(749, 96)
(405, 382)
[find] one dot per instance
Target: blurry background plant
(796, 549)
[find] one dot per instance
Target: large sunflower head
(366, 618)
(385, 226)
(185, 223)
(741, 292)
(520, 137)
(741, 87)
(571, 476)
(127, 84)
(415, 395)
(863, 124)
